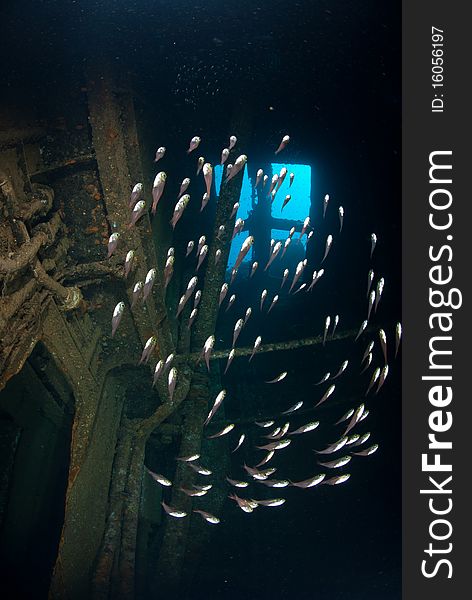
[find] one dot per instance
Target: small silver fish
(117, 315)
(194, 143)
(190, 458)
(193, 316)
(137, 291)
(287, 199)
(113, 243)
(355, 418)
(232, 142)
(230, 360)
(271, 502)
(332, 448)
(327, 394)
(325, 377)
(264, 424)
(224, 431)
(202, 256)
(194, 492)
(248, 242)
(216, 405)
(223, 292)
(256, 347)
(172, 381)
(137, 213)
(278, 445)
(205, 199)
(398, 337)
(199, 469)
(337, 480)
(326, 327)
(237, 330)
(240, 442)
(247, 315)
(308, 483)
(375, 376)
(274, 483)
(275, 251)
(190, 247)
(284, 278)
(158, 189)
(352, 439)
(287, 243)
(160, 153)
(259, 175)
(362, 439)
(130, 262)
(263, 297)
(207, 516)
(382, 378)
(336, 464)
(279, 377)
(238, 227)
(361, 330)
(325, 204)
(266, 179)
(169, 361)
(208, 176)
(273, 303)
(230, 302)
(157, 372)
(149, 282)
(306, 224)
(224, 156)
(367, 451)
(255, 264)
(367, 364)
(168, 271)
(207, 350)
(305, 428)
(370, 278)
(159, 478)
(298, 273)
(336, 321)
(234, 272)
(200, 163)
(346, 416)
(283, 143)
(329, 242)
(217, 256)
(341, 218)
(234, 209)
(293, 408)
(237, 167)
(201, 243)
(380, 287)
(136, 194)
(373, 243)
(173, 512)
(266, 459)
(371, 303)
(148, 349)
(383, 344)
(342, 368)
(236, 483)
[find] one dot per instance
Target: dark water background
(329, 74)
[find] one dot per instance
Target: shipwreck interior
(81, 116)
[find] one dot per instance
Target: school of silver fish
(281, 436)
